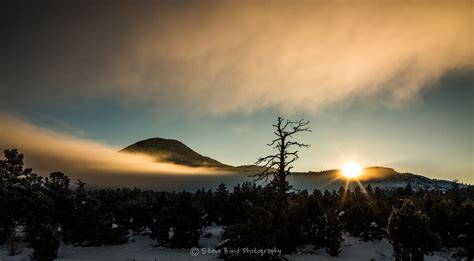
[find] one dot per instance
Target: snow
(143, 248)
(352, 249)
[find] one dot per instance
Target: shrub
(45, 243)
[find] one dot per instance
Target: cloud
(76, 157)
(222, 57)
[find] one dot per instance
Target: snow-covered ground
(143, 248)
(355, 249)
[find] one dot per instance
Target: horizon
(382, 85)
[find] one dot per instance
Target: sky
(386, 83)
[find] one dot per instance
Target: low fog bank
(47, 151)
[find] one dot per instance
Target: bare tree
(280, 164)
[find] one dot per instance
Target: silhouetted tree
(410, 234)
(333, 234)
(463, 228)
(221, 207)
(254, 226)
(91, 222)
(440, 211)
(314, 222)
(45, 242)
(11, 167)
(162, 224)
(178, 224)
(279, 165)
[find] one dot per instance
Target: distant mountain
(176, 152)
(172, 151)
(375, 176)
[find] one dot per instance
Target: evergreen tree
(362, 217)
(162, 225)
(178, 224)
(186, 229)
(91, 223)
(410, 234)
(333, 234)
(253, 231)
(314, 223)
(11, 207)
(45, 243)
(222, 205)
(440, 211)
(463, 228)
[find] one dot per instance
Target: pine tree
(92, 223)
(162, 225)
(410, 234)
(440, 211)
(278, 167)
(253, 230)
(463, 229)
(45, 243)
(222, 205)
(178, 224)
(11, 196)
(333, 234)
(314, 225)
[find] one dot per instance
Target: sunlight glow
(351, 170)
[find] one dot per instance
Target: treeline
(46, 211)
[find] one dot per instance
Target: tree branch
(280, 164)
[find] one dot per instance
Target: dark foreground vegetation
(46, 211)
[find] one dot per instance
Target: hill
(375, 176)
(177, 152)
(173, 151)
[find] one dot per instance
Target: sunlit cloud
(222, 57)
(45, 149)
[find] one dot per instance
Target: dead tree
(279, 165)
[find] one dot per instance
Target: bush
(45, 243)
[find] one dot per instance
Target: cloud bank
(77, 157)
(223, 57)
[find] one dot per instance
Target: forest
(43, 212)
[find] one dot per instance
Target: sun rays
(351, 170)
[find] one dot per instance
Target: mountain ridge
(378, 176)
(177, 152)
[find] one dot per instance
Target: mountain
(375, 176)
(173, 151)
(176, 152)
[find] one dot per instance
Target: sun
(351, 170)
